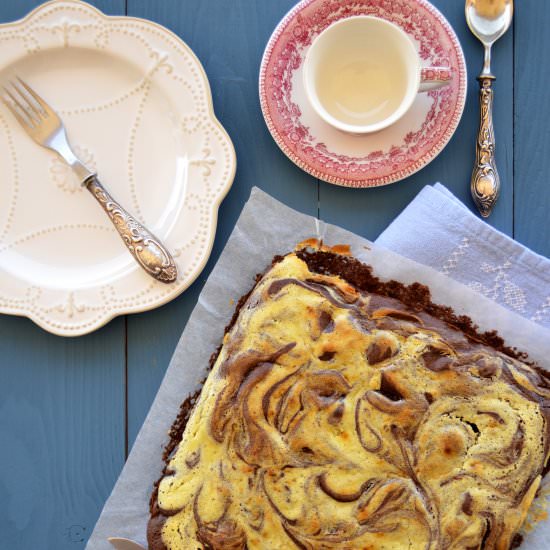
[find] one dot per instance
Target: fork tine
(45, 107)
(29, 104)
(17, 107)
(15, 112)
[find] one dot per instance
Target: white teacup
(363, 73)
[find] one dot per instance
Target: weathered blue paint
(67, 405)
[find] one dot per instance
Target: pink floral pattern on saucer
(361, 161)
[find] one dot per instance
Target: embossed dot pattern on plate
(138, 109)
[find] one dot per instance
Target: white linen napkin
(437, 230)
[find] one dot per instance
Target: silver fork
(45, 127)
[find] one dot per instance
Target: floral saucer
(370, 160)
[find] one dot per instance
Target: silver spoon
(488, 20)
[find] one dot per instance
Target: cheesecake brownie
(346, 412)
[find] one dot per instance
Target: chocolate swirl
(335, 417)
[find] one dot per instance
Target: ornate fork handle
(149, 252)
(485, 184)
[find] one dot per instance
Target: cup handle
(433, 78)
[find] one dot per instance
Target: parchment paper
(265, 228)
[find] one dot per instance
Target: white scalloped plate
(138, 109)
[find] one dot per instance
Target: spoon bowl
(489, 19)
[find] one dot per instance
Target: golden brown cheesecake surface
(335, 417)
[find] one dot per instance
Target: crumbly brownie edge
(416, 295)
(158, 517)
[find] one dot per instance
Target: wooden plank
(531, 114)
(369, 211)
(229, 38)
(10, 11)
(62, 432)
(62, 418)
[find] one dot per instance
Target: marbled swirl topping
(338, 418)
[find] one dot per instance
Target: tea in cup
(363, 73)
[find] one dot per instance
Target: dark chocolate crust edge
(154, 527)
(416, 296)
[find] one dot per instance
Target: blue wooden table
(71, 408)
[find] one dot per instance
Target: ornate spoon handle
(148, 251)
(485, 184)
